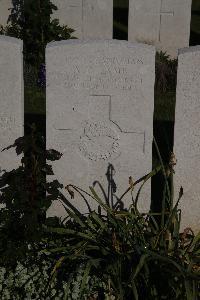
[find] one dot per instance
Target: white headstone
(89, 18)
(163, 23)
(100, 103)
(11, 99)
(187, 135)
(4, 11)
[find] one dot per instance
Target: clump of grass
(166, 71)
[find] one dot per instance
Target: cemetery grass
(35, 102)
(164, 106)
(195, 24)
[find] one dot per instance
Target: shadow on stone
(110, 197)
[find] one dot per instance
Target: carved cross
(96, 125)
(76, 5)
(163, 13)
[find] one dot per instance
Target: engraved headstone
(187, 136)
(89, 18)
(4, 11)
(163, 23)
(11, 99)
(100, 103)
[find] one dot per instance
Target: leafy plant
(30, 21)
(166, 71)
(28, 280)
(133, 255)
(23, 194)
(25, 281)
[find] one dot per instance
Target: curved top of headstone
(189, 49)
(11, 39)
(108, 42)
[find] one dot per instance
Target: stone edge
(11, 39)
(96, 41)
(189, 49)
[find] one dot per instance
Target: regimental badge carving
(99, 142)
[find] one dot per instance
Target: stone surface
(187, 135)
(11, 99)
(89, 18)
(100, 103)
(4, 11)
(163, 23)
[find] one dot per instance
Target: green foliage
(23, 195)
(28, 280)
(30, 21)
(35, 101)
(133, 255)
(25, 281)
(166, 71)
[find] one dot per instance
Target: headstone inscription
(100, 102)
(163, 23)
(187, 135)
(4, 11)
(89, 18)
(11, 99)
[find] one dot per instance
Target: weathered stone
(187, 136)
(4, 11)
(89, 18)
(163, 23)
(11, 99)
(100, 102)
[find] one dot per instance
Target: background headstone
(4, 11)
(11, 99)
(89, 18)
(187, 136)
(100, 103)
(163, 23)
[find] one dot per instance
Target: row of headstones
(100, 104)
(163, 23)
